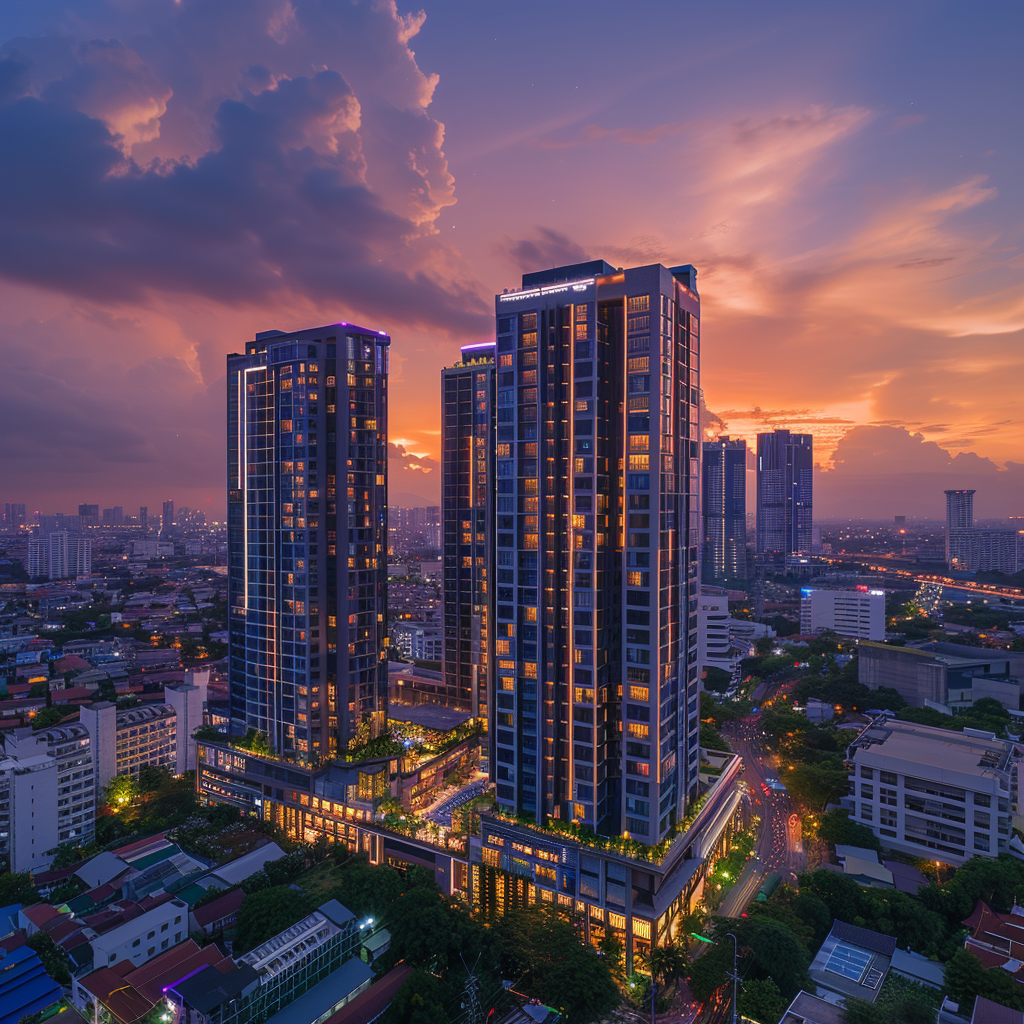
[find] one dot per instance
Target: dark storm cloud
(546, 249)
(278, 206)
(889, 470)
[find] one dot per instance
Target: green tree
(421, 1000)
(121, 792)
(366, 890)
(17, 888)
(47, 718)
(835, 827)
(761, 1000)
(775, 952)
(213, 893)
(716, 680)
(265, 913)
(55, 959)
(152, 778)
(818, 784)
(710, 972)
(966, 978)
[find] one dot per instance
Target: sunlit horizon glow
(182, 175)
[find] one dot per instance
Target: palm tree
(667, 962)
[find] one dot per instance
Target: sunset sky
(846, 178)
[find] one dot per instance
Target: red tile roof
(224, 906)
(40, 913)
(369, 1005)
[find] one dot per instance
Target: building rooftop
(811, 1009)
(232, 873)
(853, 961)
(971, 752)
(325, 995)
(223, 906)
(428, 716)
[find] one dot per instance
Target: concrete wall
(914, 675)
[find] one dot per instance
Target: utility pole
(471, 995)
(735, 976)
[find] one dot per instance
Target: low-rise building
(422, 641)
(856, 613)
(933, 793)
(284, 971)
(25, 987)
(136, 931)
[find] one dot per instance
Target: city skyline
(814, 174)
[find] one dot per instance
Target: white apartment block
(142, 937)
(28, 819)
(723, 642)
(856, 613)
(188, 699)
(934, 793)
(67, 813)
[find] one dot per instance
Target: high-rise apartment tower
(785, 493)
(724, 502)
(597, 543)
(307, 538)
(959, 515)
(467, 503)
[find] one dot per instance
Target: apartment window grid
(572, 489)
(929, 814)
(307, 607)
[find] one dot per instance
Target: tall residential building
(597, 547)
(467, 503)
(125, 741)
(144, 518)
(959, 514)
(724, 504)
(785, 493)
(188, 698)
(167, 517)
(307, 538)
(985, 550)
(113, 516)
(59, 555)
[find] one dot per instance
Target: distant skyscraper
(14, 514)
(58, 555)
(167, 519)
(113, 516)
(597, 545)
(724, 504)
(144, 518)
(959, 515)
(467, 475)
(785, 491)
(307, 538)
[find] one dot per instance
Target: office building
(945, 674)
(59, 763)
(167, 516)
(124, 741)
(933, 793)
(724, 504)
(959, 514)
(307, 538)
(785, 493)
(59, 555)
(467, 504)
(977, 550)
(113, 516)
(855, 613)
(597, 547)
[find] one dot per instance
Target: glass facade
(467, 469)
(724, 501)
(785, 492)
(597, 534)
(307, 538)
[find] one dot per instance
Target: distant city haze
(176, 180)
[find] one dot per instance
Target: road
(777, 849)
